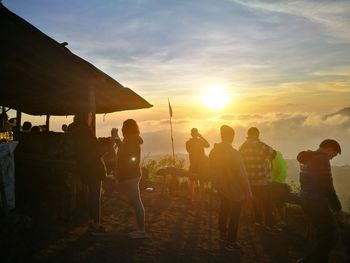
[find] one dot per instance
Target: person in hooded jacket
(230, 180)
(319, 199)
(128, 171)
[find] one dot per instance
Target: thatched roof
(40, 76)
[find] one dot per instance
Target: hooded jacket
(128, 158)
(228, 173)
(316, 178)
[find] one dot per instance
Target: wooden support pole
(92, 108)
(48, 122)
(17, 132)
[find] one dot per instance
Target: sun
(215, 98)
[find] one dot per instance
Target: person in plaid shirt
(257, 157)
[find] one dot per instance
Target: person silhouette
(128, 171)
(318, 197)
(257, 157)
(230, 179)
(198, 160)
(90, 166)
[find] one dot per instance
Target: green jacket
(279, 169)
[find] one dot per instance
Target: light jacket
(279, 170)
(228, 173)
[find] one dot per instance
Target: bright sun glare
(215, 98)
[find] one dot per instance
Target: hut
(40, 76)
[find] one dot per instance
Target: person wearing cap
(257, 157)
(319, 199)
(198, 160)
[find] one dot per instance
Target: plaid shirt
(256, 156)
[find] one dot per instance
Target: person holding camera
(199, 162)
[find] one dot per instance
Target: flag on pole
(171, 130)
(170, 109)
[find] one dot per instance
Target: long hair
(130, 128)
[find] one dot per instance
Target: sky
(284, 66)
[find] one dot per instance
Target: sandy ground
(178, 231)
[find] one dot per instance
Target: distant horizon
(185, 155)
(157, 140)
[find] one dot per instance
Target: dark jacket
(87, 153)
(228, 173)
(316, 178)
(128, 158)
(198, 159)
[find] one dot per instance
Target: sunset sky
(282, 65)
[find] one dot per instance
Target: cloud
(334, 120)
(333, 16)
(241, 117)
(287, 132)
(338, 119)
(174, 121)
(342, 71)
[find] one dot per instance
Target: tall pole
(92, 107)
(171, 130)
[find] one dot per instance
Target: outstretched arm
(205, 142)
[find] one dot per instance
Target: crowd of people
(255, 175)
(252, 177)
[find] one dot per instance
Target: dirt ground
(178, 231)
